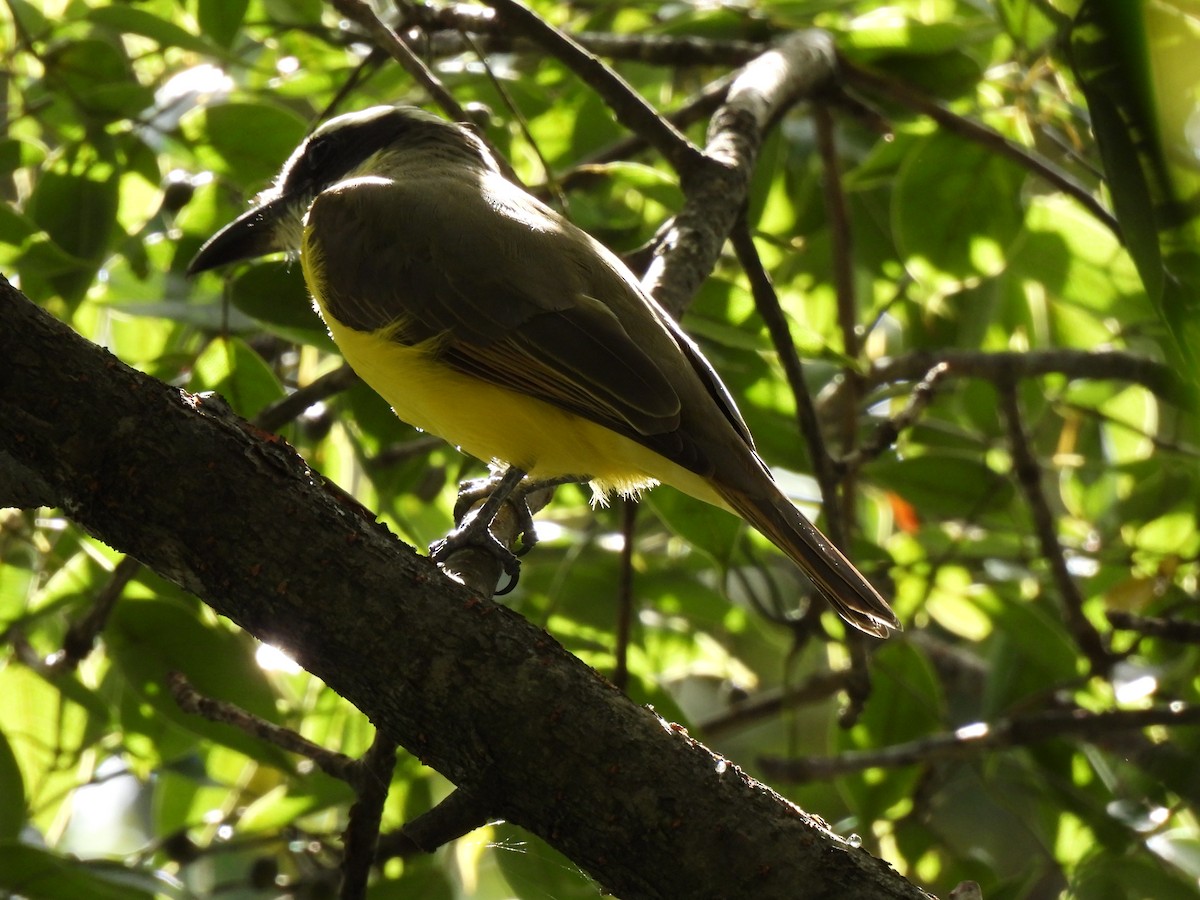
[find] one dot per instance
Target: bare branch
(360, 12)
(973, 740)
(888, 431)
(766, 301)
(630, 108)
(336, 765)
(1104, 365)
(716, 188)
(361, 837)
(1029, 477)
(458, 814)
(1181, 631)
(857, 76)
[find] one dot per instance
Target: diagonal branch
(857, 76)
(630, 108)
(1029, 478)
(716, 189)
(492, 702)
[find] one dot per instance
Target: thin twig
(692, 110)
(888, 431)
(630, 108)
(665, 50)
(81, 636)
(620, 679)
(1180, 631)
(740, 715)
(838, 217)
(973, 740)
(1109, 365)
(291, 407)
(766, 301)
(360, 12)
(1029, 478)
(337, 765)
(361, 837)
(841, 242)
(458, 814)
(860, 77)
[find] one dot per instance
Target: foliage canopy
(1028, 505)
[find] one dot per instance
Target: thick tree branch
(471, 688)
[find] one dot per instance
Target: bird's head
(383, 141)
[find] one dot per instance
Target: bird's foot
(474, 524)
(474, 528)
(497, 488)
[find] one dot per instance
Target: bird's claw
(475, 534)
(474, 528)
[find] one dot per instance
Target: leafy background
(132, 131)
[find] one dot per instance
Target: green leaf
(1136, 63)
(230, 367)
(251, 140)
(97, 75)
(274, 293)
(420, 878)
(704, 527)
(47, 732)
(77, 207)
(529, 864)
(1029, 21)
(25, 245)
(888, 29)
(12, 793)
(1029, 649)
(1105, 877)
(147, 639)
(31, 19)
(42, 875)
(221, 20)
(955, 212)
(16, 153)
(906, 704)
(135, 20)
(944, 487)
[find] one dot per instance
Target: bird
(486, 318)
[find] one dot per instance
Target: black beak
(250, 235)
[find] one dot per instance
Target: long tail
(850, 594)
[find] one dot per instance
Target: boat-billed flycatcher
(483, 316)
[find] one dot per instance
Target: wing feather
(511, 292)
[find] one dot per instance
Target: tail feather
(846, 589)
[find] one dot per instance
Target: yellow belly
(502, 426)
